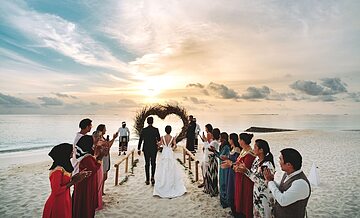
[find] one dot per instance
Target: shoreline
(36, 155)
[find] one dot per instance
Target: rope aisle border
(131, 172)
(191, 175)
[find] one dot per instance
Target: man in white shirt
(124, 137)
(293, 192)
(197, 132)
(85, 126)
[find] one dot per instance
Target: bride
(169, 183)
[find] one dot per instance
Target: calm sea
(33, 132)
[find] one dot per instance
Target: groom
(150, 135)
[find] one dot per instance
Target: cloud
(194, 100)
(335, 85)
(12, 102)
(328, 86)
(60, 95)
(325, 91)
(308, 87)
(256, 93)
(55, 32)
(223, 91)
(355, 96)
(198, 85)
(195, 85)
(48, 101)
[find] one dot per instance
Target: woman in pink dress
(85, 195)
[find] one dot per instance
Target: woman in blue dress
(233, 155)
(224, 150)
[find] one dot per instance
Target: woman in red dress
(86, 192)
(59, 202)
(243, 185)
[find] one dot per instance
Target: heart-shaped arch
(161, 111)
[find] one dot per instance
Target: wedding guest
(223, 172)
(293, 192)
(124, 138)
(211, 176)
(100, 148)
(224, 151)
(85, 126)
(262, 198)
(197, 132)
(243, 185)
(234, 154)
(190, 134)
(106, 158)
(85, 195)
(59, 202)
(205, 160)
(209, 135)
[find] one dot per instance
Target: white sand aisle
(134, 198)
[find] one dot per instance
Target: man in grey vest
(293, 192)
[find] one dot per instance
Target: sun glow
(152, 87)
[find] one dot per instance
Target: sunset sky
(218, 56)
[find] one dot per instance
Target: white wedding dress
(168, 178)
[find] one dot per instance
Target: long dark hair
(209, 127)
(216, 133)
(262, 144)
(100, 127)
(246, 137)
(225, 137)
(235, 138)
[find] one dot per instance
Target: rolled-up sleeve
(299, 190)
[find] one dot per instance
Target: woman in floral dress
(262, 197)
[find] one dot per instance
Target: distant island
(263, 129)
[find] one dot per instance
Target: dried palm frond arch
(161, 111)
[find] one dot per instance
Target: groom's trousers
(150, 157)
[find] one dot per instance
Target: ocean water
(33, 132)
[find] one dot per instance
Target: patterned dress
(211, 175)
(262, 197)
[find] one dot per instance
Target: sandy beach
(25, 185)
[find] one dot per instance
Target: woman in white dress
(169, 182)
